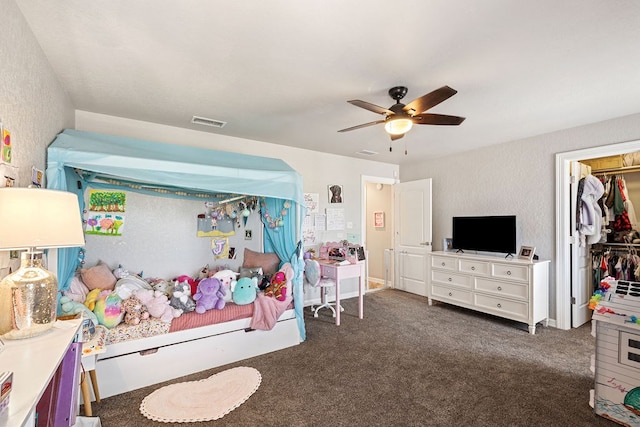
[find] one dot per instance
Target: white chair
(313, 277)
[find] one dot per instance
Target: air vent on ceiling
(207, 122)
(367, 152)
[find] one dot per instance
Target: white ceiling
(281, 71)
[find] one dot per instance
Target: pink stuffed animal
(157, 304)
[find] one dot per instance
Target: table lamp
(34, 219)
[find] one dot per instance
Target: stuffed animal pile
(110, 297)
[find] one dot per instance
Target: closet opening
(568, 279)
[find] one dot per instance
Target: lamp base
(28, 299)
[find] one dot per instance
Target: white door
(413, 235)
(580, 257)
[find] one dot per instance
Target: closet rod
(616, 170)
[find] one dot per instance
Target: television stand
(508, 256)
(515, 289)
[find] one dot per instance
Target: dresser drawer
(443, 263)
(449, 294)
(511, 309)
(452, 279)
(505, 289)
(510, 271)
(475, 267)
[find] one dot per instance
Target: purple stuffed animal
(210, 295)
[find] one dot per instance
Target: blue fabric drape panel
(58, 179)
(283, 240)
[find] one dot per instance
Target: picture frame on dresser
(526, 252)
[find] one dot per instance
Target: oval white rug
(203, 400)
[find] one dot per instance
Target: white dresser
(515, 289)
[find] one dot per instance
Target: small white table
(334, 270)
(33, 362)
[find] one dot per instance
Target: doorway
(563, 274)
(377, 231)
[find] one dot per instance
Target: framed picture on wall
(378, 219)
(335, 193)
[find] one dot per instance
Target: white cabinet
(515, 289)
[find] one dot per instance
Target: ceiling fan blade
(369, 106)
(429, 100)
(437, 119)
(395, 137)
(362, 126)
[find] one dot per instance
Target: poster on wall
(106, 212)
(220, 247)
(335, 219)
(5, 152)
(312, 202)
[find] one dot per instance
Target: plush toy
(126, 286)
(108, 309)
(163, 286)
(210, 295)
(181, 297)
(68, 306)
(226, 277)
(190, 280)
(278, 287)
(244, 291)
(280, 283)
(134, 311)
(157, 304)
(92, 296)
(120, 272)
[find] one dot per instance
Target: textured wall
(513, 178)
(33, 105)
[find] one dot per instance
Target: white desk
(34, 361)
(337, 272)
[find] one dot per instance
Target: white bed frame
(130, 365)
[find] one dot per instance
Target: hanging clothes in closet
(620, 263)
(619, 212)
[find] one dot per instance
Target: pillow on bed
(98, 277)
(268, 261)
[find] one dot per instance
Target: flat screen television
(485, 233)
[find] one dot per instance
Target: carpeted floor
(408, 364)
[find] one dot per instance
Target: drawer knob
(508, 272)
(473, 268)
(450, 279)
(450, 294)
(444, 263)
(499, 288)
(499, 305)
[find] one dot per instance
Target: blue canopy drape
(281, 228)
(185, 172)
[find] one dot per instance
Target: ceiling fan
(399, 118)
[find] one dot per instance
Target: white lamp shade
(398, 126)
(39, 218)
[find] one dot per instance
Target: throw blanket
(267, 310)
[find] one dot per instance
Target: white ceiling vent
(367, 152)
(207, 122)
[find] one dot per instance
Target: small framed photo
(248, 234)
(526, 252)
(378, 219)
(447, 244)
(335, 193)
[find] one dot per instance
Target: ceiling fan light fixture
(398, 125)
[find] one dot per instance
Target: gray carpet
(408, 364)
